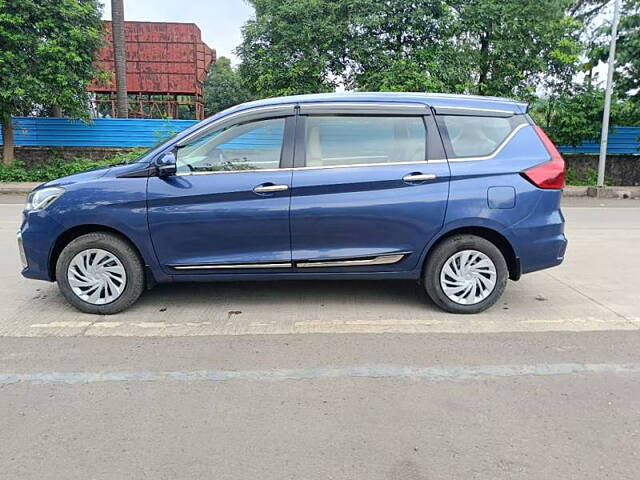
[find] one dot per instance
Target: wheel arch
(492, 235)
(72, 233)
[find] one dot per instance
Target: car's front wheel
(100, 273)
(465, 274)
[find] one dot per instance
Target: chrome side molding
(357, 262)
(496, 151)
(230, 266)
(386, 259)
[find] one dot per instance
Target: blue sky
(219, 20)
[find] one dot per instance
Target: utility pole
(604, 136)
(119, 57)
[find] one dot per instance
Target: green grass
(588, 178)
(56, 168)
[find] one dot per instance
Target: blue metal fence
(101, 132)
(622, 140)
(120, 132)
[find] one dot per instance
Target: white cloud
(219, 20)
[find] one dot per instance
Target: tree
(512, 46)
(119, 57)
(47, 48)
(572, 116)
(455, 46)
(628, 53)
(404, 45)
(626, 109)
(489, 47)
(576, 116)
(223, 88)
(294, 46)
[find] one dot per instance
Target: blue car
(459, 193)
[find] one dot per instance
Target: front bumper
(23, 255)
(36, 240)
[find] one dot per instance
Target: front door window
(249, 146)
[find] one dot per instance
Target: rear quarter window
(475, 136)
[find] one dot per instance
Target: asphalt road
(342, 380)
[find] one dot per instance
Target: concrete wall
(623, 170)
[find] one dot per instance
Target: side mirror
(166, 164)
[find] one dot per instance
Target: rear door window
(470, 136)
(357, 140)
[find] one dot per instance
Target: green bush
(588, 178)
(56, 168)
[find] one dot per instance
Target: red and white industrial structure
(166, 67)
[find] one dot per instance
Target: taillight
(551, 173)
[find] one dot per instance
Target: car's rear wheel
(465, 274)
(100, 273)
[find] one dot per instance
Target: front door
(227, 209)
(366, 197)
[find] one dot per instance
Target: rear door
(370, 187)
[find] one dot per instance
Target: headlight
(41, 199)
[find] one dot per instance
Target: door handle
(419, 177)
(270, 188)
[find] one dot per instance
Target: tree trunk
(119, 57)
(56, 111)
(7, 140)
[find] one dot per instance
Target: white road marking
(61, 325)
(316, 373)
(428, 325)
(107, 324)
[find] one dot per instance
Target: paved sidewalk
(595, 289)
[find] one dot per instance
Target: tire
(450, 253)
(125, 284)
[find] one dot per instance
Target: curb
(573, 191)
(17, 188)
(613, 192)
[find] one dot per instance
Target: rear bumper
(550, 254)
(540, 248)
(539, 240)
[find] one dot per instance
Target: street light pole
(604, 136)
